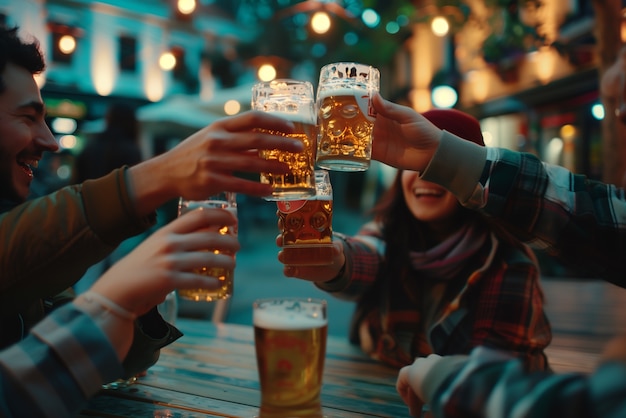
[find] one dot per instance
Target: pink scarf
(448, 258)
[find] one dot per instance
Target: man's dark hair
(23, 54)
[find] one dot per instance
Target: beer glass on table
(293, 100)
(290, 343)
(228, 201)
(306, 226)
(345, 115)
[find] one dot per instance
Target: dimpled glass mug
(290, 343)
(293, 100)
(228, 201)
(345, 115)
(306, 226)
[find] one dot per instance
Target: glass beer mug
(228, 201)
(293, 100)
(306, 226)
(345, 115)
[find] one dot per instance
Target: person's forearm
(110, 207)
(488, 385)
(363, 258)
(96, 216)
(547, 206)
(115, 322)
(457, 165)
(148, 184)
(56, 368)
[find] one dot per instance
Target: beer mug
(345, 115)
(306, 226)
(290, 343)
(228, 201)
(293, 100)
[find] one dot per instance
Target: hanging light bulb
(320, 22)
(67, 44)
(440, 26)
(186, 7)
(266, 72)
(167, 62)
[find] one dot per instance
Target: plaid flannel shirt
(500, 305)
(580, 221)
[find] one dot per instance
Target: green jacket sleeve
(58, 236)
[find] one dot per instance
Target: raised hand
(166, 259)
(402, 137)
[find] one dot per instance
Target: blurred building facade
(528, 69)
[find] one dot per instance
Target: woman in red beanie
(430, 276)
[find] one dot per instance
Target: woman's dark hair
(23, 54)
(401, 231)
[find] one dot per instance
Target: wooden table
(211, 372)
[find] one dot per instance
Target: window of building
(61, 53)
(180, 69)
(128, 53)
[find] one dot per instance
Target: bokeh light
(597, 111)
(320, 22)
(370, 18)
(392, 28)
(67, 141)
(64, 125)
(440, 26)
(232, 107)
(167, 61)
(318, 50)
(186, 7)
(67, 44)
(266, 72)
(351, 38)
(444, 96)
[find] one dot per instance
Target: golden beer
(292, 100)
(306, 226)
(306, 229)
(345, 139)
(300, 181)
(225, 276)
(290, 342)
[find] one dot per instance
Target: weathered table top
(211, 372)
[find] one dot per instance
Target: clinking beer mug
(306, 226)
(224, 200)
(346, 116)
(293, 100)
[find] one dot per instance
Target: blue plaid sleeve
(580, 221)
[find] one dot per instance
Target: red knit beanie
(456, 122)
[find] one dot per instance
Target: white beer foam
(279, 319)
(330, 90)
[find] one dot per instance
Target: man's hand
(204, 163)
(410, 380)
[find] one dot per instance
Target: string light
(320, 23)
(167, 61)
(186, 7)
(67, 44)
